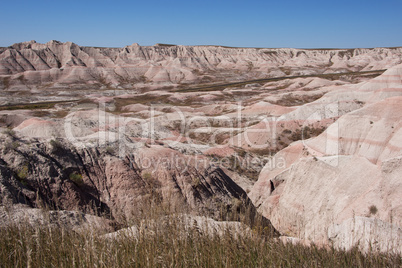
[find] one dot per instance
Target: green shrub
(76, 178)
(6, 82)
(110, 150)
(195, 182)
(10, 146)
(146, 175)
(287, 131)
(56, 145)
(22, 172)
(152, 182)
(10, 132)
(373, 210)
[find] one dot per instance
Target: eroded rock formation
(68, 65)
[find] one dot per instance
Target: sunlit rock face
(343, 186)
(68, 65)
(108, 131)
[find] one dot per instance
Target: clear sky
(252, 23)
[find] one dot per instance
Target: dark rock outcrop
(59, 176)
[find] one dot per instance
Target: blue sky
(282, 23)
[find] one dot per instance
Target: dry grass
(43, 246)
(33, 106)
(287, 70)
(295, 100)
(303, 133)
(165, 241)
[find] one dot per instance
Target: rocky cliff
(343, 186)
(67, 65)
(326, 150)
(59, 176)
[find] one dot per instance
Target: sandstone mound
(135, 108)
(95, 180)
(202, 225)
(373, 132)
(267, 109)
(36, 127)
(289, 124)
(120, 132)
(67, 65)
(343, 176)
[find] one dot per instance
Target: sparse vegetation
(165, 45)
(100, 78)
(64, 177)
(196, 72)
(195, 182)
(142, 99)
(125, 79)
(10, 132)
(146, 175)
(76, 178)
(44, 246)
(59, 114)
(264, 151)
(293, 100)
(302, 133)
(250, 66)
(221, 138)
(6, 82)
(22, 79)
(359, 102)
(22, 172)
(110, 150)
(200, 136)
(41, 113)
(10, 146)
(33, 106)
(56, 146)
(143, 79)
(287, 71)
(373, 210)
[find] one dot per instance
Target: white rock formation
(65, 65)
(344, 186)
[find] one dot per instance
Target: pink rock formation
(344, 185)
(64, 65)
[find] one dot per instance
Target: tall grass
(168, 244)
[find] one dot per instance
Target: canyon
(308, 141)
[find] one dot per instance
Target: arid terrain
(305, 143)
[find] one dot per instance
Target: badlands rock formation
(343, 187)
(66, 65)
(95, 180)
(311, 139)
